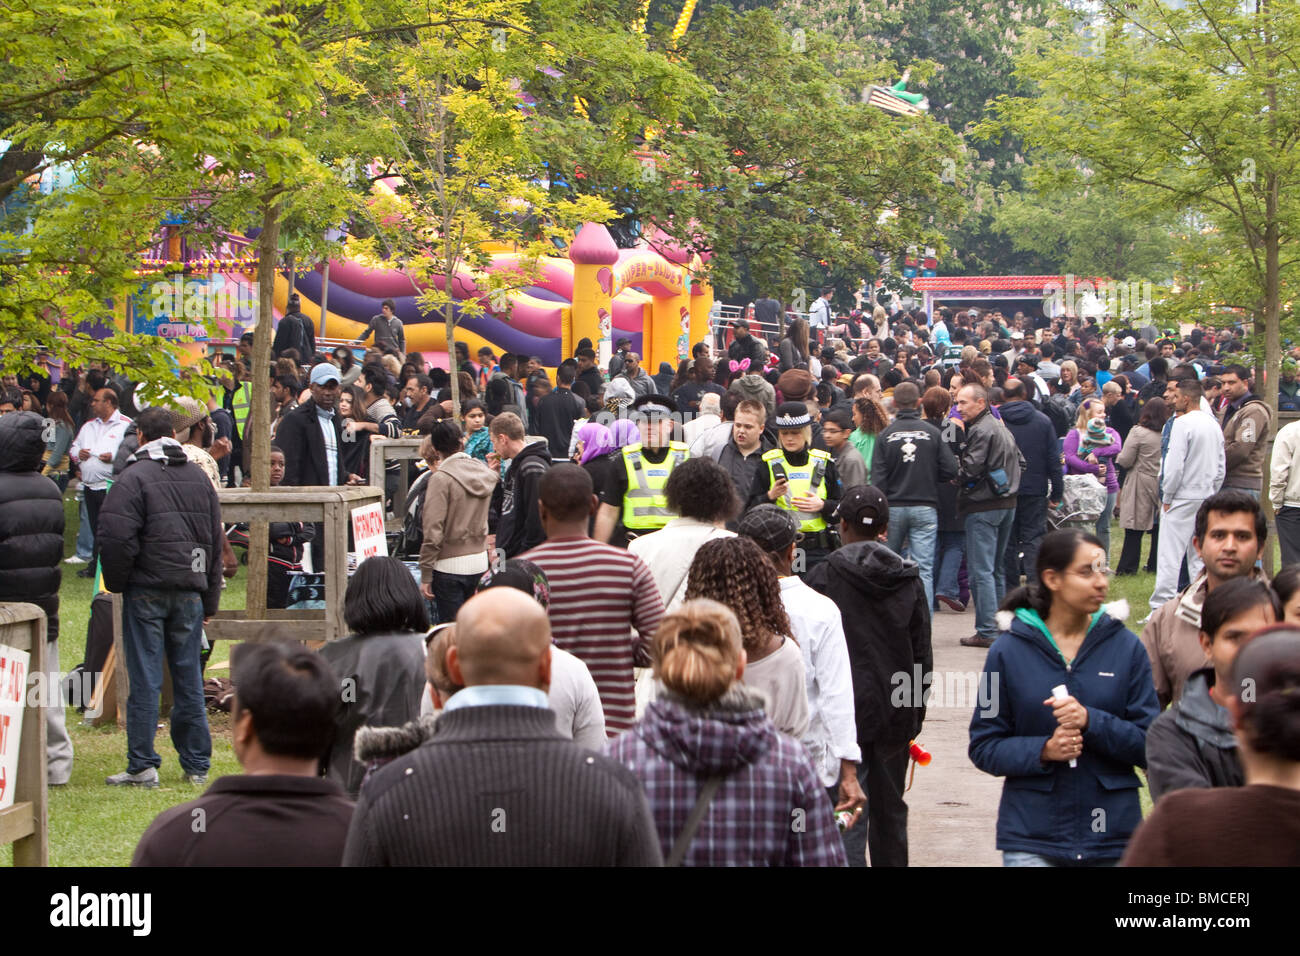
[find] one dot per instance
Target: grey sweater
(499, 786)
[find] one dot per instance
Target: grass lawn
(92, 824)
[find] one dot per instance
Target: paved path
(953, 807)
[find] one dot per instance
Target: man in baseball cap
(887, 630)
(324, 374)
(865, 510)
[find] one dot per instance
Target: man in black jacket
(744, 345)
(589, 371)
(514, 520)
(31, 553)
(1036, 438)
(497, 784)
(887, 629)
(311, 438)
(911, 460)
(557, 411)
(161, 532)
(295, 331)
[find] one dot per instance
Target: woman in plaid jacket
(769, 809)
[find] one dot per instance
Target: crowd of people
(648, 618)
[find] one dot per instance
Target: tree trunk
(449, 320)
(1272, 333)
(258, 437)
(1272, 278)
(324, 297)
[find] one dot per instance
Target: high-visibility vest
(645, 506)
(806, 479)
(240, 404)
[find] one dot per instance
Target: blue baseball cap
(324, 372)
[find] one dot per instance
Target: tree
(784, 174)
(962, 57)
(1086, 231)
(1193, 112)
(500, 121)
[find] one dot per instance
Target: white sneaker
(74, 560)
(148, 779)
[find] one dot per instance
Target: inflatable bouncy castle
(597, 291)
(649, 295)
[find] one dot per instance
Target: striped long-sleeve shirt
(599, 594)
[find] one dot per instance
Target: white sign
(13, 681)
(368, 531)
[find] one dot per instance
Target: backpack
(299, 338)
(1060, 413)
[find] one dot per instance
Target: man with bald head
(497, 784)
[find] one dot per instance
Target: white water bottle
(1060, 693)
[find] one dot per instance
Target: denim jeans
(450, 591)
(85, 534)
(987, 535)
(918, 527)
(1103, 524)
(947, 566)
(164, 625)
(1027, 534)
(94, 501)
(1020, 858)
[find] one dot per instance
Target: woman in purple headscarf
(624, 432)
(597, 451)
(592, 440)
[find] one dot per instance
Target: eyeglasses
(1093, 572)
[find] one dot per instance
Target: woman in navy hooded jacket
(1052, 813)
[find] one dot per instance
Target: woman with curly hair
(702, 495)
(735, 572)
(869, 420)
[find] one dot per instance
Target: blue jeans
(1103, 523)
(162, 624)
(952, 548)
(918, 526)
(987, 535)
(85, 533)
(1020, 858)
(450, 591)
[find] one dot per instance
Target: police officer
(238, 401)
(633, 501)
(799, 478)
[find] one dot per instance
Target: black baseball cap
(864, 506)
